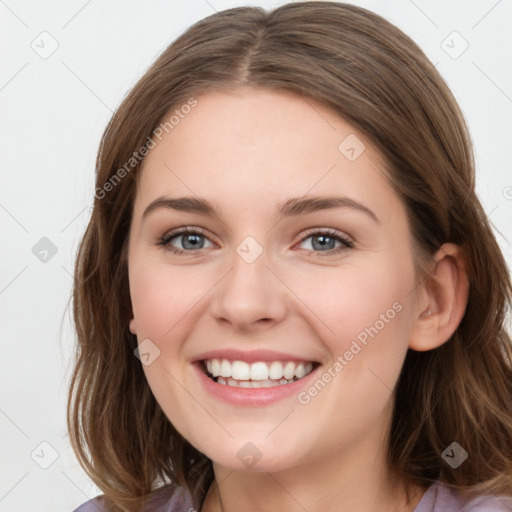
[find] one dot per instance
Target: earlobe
(446, 291)
(133, 329)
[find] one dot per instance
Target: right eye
(190, 239)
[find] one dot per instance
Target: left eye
(325, 241)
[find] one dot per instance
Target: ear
(133, 328)
(443, 299)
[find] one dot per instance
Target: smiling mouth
(258, 374)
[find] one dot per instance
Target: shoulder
(94, 505)
(441, 498)
(165, 499)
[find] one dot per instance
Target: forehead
(262, 146)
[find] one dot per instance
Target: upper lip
(250, 356)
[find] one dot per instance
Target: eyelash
(168, 237)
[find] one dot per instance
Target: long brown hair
(376, 78)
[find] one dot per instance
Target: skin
(247, 151)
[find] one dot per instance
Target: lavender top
(437, 498)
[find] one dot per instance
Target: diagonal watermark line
(433, 66)
(380, 173)
(320, 179)
(468, 192)
(300, 299)
(14, 218)
(13, 13)
(427, 74)
(416, 495)
(206, 1)
(14, 424)
(279, 424)
(492, 81)
(488, 215)
(76, 14)
(492, 211)
(68, 272)
(198, 301)
(504, 500)
(196, 195)
(287, 492)
(73, 219)
(306, 100)
(424, 14)
(428, 274)
(198, 403)
(217, 486)
(82, 491)
(13, 279)
(86, 85)
(422, 280)
(13, 486)
(66, 434)
(220, 482)
(307, 192)
(14, 76)
(380, 379)
(485, 15)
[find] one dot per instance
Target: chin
(255, 456)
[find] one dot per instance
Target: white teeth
(259, 371)
(240, 370)
(300, 371)
(275, 371)
(289, 371)
(258, 374)
(268, 383)
(215, 367)
(303, 369)
(225, 368)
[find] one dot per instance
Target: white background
(53, 112)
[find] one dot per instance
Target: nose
(249, 298)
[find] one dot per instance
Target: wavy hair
(376, 78)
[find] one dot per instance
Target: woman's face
(298, 258)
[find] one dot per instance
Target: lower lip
(252, 396)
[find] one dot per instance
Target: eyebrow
(289, 208)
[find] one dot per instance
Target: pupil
(323, 244)
(195, 239)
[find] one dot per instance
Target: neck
(339, 482)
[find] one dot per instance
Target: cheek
(372, 327)
(349, 300)
(162, 297)
(363, 317)
(367, 313)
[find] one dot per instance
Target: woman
(288, 296)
